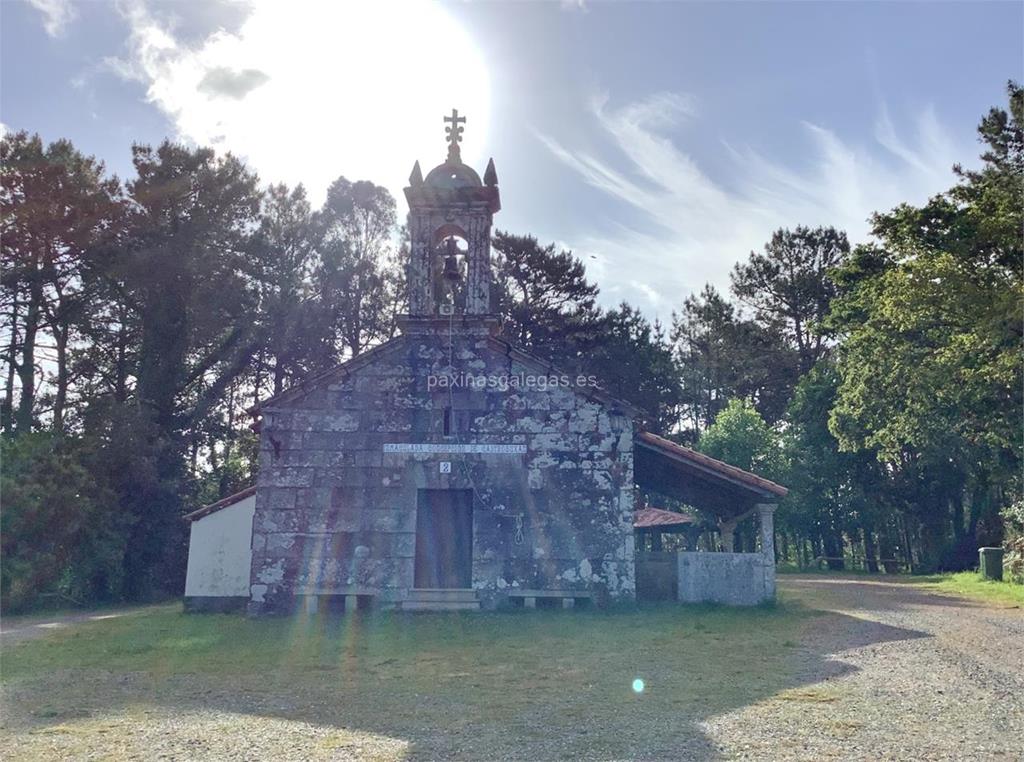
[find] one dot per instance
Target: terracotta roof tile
(658, 517)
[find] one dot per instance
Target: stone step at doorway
(441, 599)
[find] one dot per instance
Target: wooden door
(444, 539)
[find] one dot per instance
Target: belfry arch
(451, 202)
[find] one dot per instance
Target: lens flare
(638, 686)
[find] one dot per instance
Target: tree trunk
(887, 548)
(957, 500)
(870, 551)
(832, 542)
(154, 503)
(908, 549)
(61, 395)
(121, 378)
(27, 366)
(278, 375)
(7, 410)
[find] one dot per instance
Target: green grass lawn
(963, 584)
(537, 685)
(972, 585)
(487, 685)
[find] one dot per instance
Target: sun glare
(306, 92)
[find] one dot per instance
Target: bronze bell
(451, 270)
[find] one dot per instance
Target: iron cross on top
(454, 131)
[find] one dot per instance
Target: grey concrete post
(766, 511)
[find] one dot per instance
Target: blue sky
(661, 142)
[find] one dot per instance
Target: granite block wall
(335, 513)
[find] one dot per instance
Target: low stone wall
(657, 576)
(736, 579)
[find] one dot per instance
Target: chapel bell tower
(450, 215)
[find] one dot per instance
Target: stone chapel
(449, 469)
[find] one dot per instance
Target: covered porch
(717, 572)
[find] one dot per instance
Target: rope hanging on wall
(518, 537)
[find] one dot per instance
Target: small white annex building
(220, 554)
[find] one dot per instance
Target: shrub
(62, 533)
(1013, 542)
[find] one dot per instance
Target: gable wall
(219, 556)
(335, 514)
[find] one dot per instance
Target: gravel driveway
(909, 675)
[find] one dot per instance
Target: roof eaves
(648, 517)
(221, 504)
(733, 473)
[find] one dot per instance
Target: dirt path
(17, 629)
(910, 675)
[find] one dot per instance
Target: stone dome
(450, 176)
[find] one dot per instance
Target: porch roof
(658, 519)
(698, 479)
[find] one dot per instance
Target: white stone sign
(483, 449)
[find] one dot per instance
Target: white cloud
(694, 228)
(306, 91)
(57, 14)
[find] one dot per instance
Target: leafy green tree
(1013, 520)
(789, 286)
(549, 308)
(62, 531)
(545, 302)
(835, 497)
(722, 355)
(56, 208)
(930, 363)
(186, 269)
(359, 230)
(298, 325)
(633, 361)
(740, 437)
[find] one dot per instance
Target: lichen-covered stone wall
(336, 514)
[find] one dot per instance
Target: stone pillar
(766, 512)
(478, 275)
(418, 273)
(727, 530)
